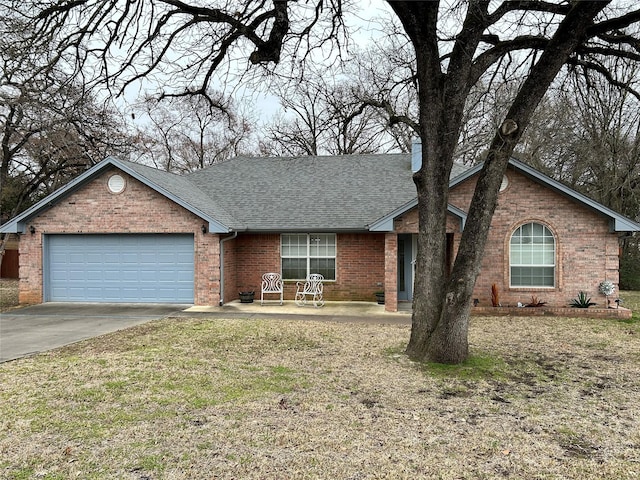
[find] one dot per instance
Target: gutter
(235, 234)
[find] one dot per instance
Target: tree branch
(605, 72)
(527, 5)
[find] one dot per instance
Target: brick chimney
(416, 154)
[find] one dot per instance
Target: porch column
(391, 272)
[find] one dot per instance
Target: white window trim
(554, 264)
(309, 257)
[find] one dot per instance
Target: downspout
(235, 234)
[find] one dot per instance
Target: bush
(582, 301)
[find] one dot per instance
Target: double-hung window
(532, 256)
(304, 253)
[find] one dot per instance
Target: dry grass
(8, 294)
(631, 300)
(543, 398)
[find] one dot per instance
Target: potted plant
(380, 297)
(246, 296)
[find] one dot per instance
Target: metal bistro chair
(271, 283)
(311, 288)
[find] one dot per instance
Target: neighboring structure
(123, 232)
(10, 261)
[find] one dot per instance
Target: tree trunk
(442, 306)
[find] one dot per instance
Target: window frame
(308, 256)
(546, 233)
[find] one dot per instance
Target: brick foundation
(621, 313)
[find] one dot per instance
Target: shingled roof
(312, 193)
(323, 193)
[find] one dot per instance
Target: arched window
(532, 256)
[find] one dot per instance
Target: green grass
(476, 367)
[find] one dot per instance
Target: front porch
(373, 311)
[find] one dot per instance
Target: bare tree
(586, 134)
(590, 140)
(456, 45)
(51, 128)
(328, 115)
(183, 134)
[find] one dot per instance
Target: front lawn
(631, 300)
(274, 399)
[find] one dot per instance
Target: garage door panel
(120, 268)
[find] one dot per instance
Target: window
(303, 254)
(532, 256)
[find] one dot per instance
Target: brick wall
(138, 209)
(359, 262)
(230, 270)
(586, 252)
(391, 272)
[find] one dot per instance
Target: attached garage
(119, 268)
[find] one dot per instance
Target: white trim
(534, 265)
(308, 255)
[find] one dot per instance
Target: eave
(385, 224)
(19, 223)
(617, 222)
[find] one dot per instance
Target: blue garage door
(119, 268)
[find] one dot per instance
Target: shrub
(582, 301)
(535, 302)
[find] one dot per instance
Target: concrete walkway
(332, 311)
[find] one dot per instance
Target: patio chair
(311, 288)
(271, 283)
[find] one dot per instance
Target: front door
(407, 250)
(407, 253)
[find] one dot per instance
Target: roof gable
(618, 222)
(167, 184)
(385, 224)
(317, 193)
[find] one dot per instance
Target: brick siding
(587, 252)
(138, 209)
(359, 262)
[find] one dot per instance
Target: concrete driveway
(39, 328)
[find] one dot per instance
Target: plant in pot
(246, 295)
(379, 297)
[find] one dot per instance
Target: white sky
(362, 29)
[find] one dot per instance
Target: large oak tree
(456, 45)
(51, 128)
